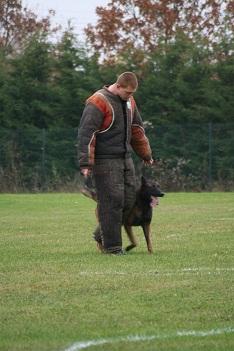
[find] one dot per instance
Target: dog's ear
(143, 180)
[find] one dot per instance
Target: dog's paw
(100, 248)
(130, 247)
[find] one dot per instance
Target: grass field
(58, 293)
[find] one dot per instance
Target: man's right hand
(86, 172)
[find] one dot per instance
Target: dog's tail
(89, 193)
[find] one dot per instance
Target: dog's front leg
(147, 232)
(128, 229)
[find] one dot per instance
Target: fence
(188, 158)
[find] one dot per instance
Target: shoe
(118, 252)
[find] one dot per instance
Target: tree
(184, 84)
(26, 94)
(74, 79)
(127, 26)
(46, 84)
(18, 25)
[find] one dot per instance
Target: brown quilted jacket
(109, 128)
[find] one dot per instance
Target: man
(110, 127)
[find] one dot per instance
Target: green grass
(57, 290)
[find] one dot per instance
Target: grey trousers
(115, 183)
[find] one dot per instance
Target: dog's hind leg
(100, 248)
(147, 232)
(128, 229)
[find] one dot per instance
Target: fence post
(210, 157)
(43, 160)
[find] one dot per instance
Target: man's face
(125, 93)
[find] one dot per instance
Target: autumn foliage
(126, 26)
(18, 24)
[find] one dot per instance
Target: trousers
(115, 185)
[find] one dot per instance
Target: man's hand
(149, 163)
(86, 172)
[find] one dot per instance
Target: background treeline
(46, 84)
(181, 53)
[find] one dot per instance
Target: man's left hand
(149, 163)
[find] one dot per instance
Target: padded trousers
(115, 185)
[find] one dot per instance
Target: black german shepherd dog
(142, 211)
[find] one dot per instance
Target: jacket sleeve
(90, 125)
(139, 141)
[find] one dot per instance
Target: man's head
(126, 85)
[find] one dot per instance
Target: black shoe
(117, 252)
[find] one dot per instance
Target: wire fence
(187, 158)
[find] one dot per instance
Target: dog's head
(150, 191)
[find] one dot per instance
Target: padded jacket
(109, 128)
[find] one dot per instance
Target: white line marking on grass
(183, 271)
(214, 219)
(85, 344)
